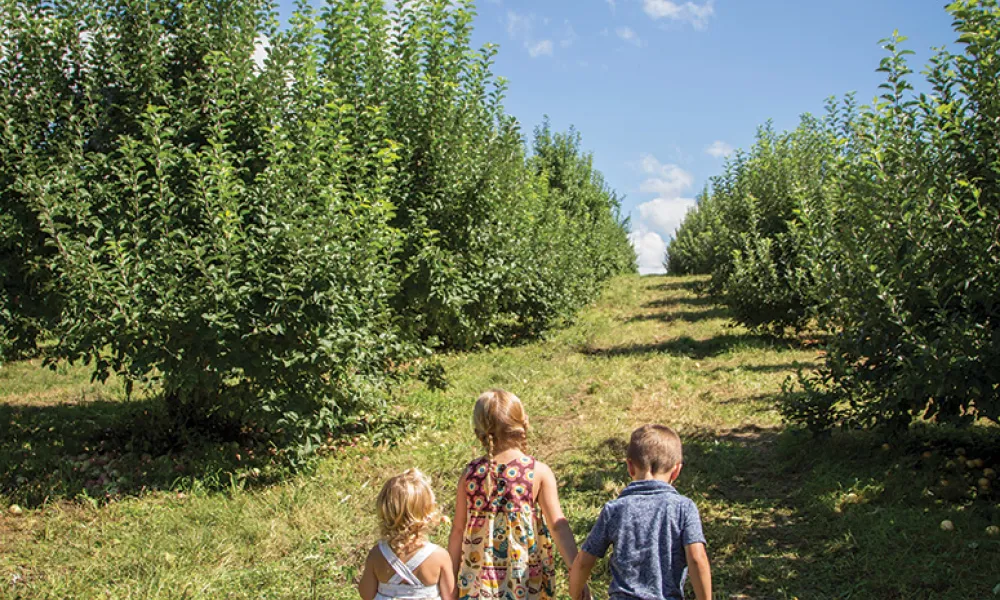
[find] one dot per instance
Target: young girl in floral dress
(506, 512)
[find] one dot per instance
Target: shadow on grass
(791, 367)
(688, 301)
(698, 349)
(690, 285)
(104, 449)
(787, 515)
(690, 316)
(109, 449)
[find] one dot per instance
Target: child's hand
(579, 575)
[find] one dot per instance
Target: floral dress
(507, 547)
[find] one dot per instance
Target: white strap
(408, 592)
(418, 559)
(403, 572)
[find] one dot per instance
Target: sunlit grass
(786, 515)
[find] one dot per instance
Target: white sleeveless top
(405, 585)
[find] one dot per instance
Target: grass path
(786, 516)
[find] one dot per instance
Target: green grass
(786, 515)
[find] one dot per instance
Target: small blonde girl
(501, 541)
(404, 565)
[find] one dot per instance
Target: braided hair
(500, 421)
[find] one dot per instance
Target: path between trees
(786, 516)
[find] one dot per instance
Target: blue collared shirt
(649, 524)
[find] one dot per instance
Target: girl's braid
(492, 465)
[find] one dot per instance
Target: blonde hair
(655, 448)
(407, 511)
(499, 420)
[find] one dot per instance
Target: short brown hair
(655, 448)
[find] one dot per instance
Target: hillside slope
(786, 516)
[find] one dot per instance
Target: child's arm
(458, 526)
(548, 500)
(699, 570)
(579, 574)
(446, 581)
(368, 586)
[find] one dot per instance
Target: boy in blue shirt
(656, 532)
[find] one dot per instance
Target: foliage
(915, 297)
(747, 231)
(492, 239)
(883, 224)
(269, 243)
(691, 251)
(201, 226)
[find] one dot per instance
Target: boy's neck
(643, 473)
(664, 477)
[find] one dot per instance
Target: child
(500, 543)
(656, 532)
(404, 564)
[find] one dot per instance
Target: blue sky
(662, 89)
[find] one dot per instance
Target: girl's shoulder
(478, 464)
(538, 465)
(475, 462)
(440, 553)
(436, 556)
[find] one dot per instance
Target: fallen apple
(947, 525)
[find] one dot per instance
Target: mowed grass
(786, 515)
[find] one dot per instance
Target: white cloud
(719, 149)
(613, 5)
(518, 25)
(665, 214)
(542, 48)
(629, 35)
(688, 12)
(651, 251)
(657, 220)
(665, 180)
(521, 27)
